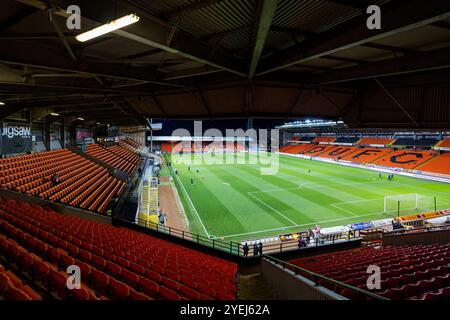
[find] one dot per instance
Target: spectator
(255, 249)
(316, 238)
(301, 243)
(310, 235)
(260, 248)
(245, 249)
(162, 218)
(55, 179)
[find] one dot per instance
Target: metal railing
(422, 229)
(237, 248)
(320, 280)
(231, 247)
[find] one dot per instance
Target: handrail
(422, 229)
(228, 246)
(316, 277)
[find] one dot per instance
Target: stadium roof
(227, 59)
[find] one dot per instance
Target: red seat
(119, 289)
(13, 293)
(188, 282)
(149, 287)
(113, 269)
(136, 268)
(170, 284)
(134, 295)
(130, 278)
(41, 270)
(173, 276)
(4, 283)
(206, 290)
(393, 294)
(85, 271)
(41, 248)
(58, 283)
(100, 281)
(65, 261)
(52, 255)
(189, 293)
(80, 294)
(123, 262)
(15, 280)
(167, 294)
(33, 295)
(98, 262)
(84, 255)
(153, 276)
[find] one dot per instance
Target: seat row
(406, 271)
(148, 265)
(111, 158)
(12, 287)
(31, 174)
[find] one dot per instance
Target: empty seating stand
(116, 263)
(376, 141)
(439, 164)
(12, 287)
(114, 157)
(407, 159)
(367, 154)
(420, 272)
(300, 148)
(346, 140)
(131, 145)
(31, 174)
(324, 139)
(410, 142)
(444, 143)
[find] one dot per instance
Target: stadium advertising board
(16, 138)
(84, 135)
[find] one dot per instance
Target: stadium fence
(306, 284)
(236, 248)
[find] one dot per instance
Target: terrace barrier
(291, 282)
(237, 248)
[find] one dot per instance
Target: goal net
(408, 203)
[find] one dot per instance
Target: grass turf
(236, 202)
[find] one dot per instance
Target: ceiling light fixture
(81, 119)
(2, 103)
(54, 114)
(108, 27)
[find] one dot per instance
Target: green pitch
(236, 202)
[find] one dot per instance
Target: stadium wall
(415, 238)
(289, 286)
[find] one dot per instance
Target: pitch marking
(273, 209)
(192, 204)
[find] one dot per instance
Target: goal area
(409, 203)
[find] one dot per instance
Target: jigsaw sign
(15, 138)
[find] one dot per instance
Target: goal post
(409, 203)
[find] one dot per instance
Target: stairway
(254, 287)
(153, 201)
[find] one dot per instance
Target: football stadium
(225, 150)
